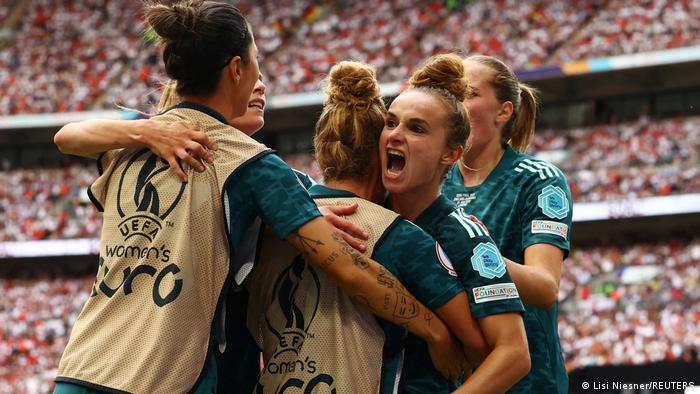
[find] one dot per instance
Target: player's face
(483, 106)
(413, 143)
(248, 77)
(254, 118)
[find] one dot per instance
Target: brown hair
(521, 125)
(199, 38)
(443, 76)
(347, 133)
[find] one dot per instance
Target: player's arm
(169, 140)
(538, 278)
(509, 360)
(458, 317)
(367, 282)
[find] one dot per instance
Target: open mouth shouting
(395, 163)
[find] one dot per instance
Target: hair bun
(171, 22)
(443, 72)
(352, 83)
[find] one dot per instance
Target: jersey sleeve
(417, 260)
(304, 178)
(546, 210)
(482, 269)
(271, 189)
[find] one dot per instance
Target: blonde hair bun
(443, 72)
(352, 83)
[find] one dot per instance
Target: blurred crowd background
(627, 303)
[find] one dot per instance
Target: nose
(260, 87)
(396, 134)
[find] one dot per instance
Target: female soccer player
(424, 134)
(312, 335)
(169, 249)
(524, 202)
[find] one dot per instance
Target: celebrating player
(524, 202)
(424, 134)
(170, 250)
(312, 335)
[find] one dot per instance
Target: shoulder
(534, 170)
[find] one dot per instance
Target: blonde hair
(347, 133)
(169, 97)
(521, 125)
(443, 76)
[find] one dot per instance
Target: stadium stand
(629, 160)
(65, 57)
(631, 302)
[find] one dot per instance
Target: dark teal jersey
(305, 179)
(264, 189)
(474, 257)
(523, 202)
(418, 261)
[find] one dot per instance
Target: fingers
(202, 139)
(353, 242)
(190, 160)
(200, 151)
(343, 209)
(176, 168)
(347, 226)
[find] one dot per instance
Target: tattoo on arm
(357, 258)
(307, 244)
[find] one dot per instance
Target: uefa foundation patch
(549, 227)
(501, 291)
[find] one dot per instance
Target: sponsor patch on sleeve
(549, 227)
(501, 291)
(444, 260)
(487, 261)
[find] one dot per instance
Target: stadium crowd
(604, 318)
(73, 56)
(634, 159)
(48, 203)
(37, 315)
(630, 160)
(610, 316)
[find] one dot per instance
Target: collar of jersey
(321, 191)
(508, 157)
(439, 208)
(201, 108)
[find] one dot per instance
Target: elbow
(61, 141)
(549, 299)
(521, 363)
(64, 140)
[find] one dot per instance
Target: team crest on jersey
(553, 202)
(293, 311)
(487, 261)
(444, 260)
(139, 203)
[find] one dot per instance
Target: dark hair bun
(443, 72)
(173, 22)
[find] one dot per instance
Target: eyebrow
(419, 121)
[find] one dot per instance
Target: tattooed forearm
(308, 245)
(357, 258)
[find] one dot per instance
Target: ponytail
(524, 123)
(521, 125)
(169, 97)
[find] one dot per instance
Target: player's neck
(475, 166)
(371, 189)
(412, 203)
(215, 101)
